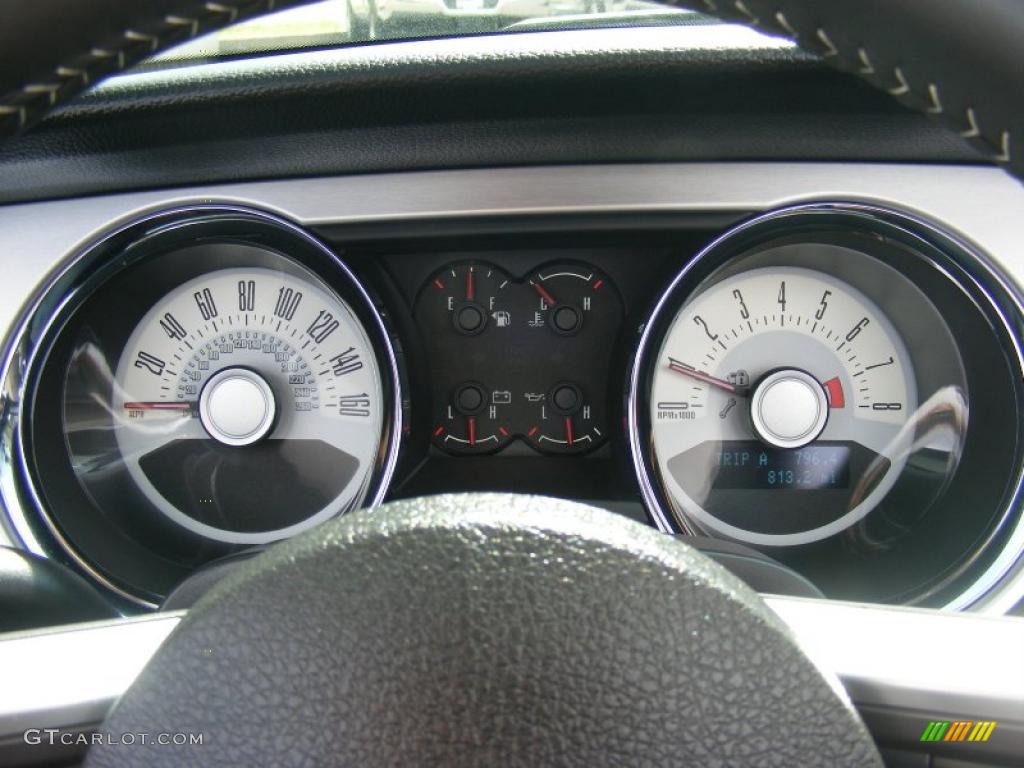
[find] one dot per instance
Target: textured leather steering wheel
(483, 630)
(956, 60)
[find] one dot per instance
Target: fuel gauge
(470, 294)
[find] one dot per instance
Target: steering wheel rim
(925, 54)
(484, 629)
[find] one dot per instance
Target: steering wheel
(481, 630)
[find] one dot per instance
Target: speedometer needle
(159, 406)
(693, 373)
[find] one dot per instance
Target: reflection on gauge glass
(246, 405)
(784, 381)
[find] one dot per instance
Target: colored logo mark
(958, 730)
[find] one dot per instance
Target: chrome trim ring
(1004, 575)
(22, 500)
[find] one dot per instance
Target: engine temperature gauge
(578, 292)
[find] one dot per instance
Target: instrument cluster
(519, 359)
(835, 387)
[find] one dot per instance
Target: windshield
(340, 22)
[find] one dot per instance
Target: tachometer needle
(548, 298)
(159, 406)
(693, 373)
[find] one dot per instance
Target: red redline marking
(544, 294)
(472, 431)
(568, 430)
(439, 431)
(533, 432)
(158, 406)
(598, 284)
(438, 284)
(834, 390)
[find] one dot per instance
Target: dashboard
(814, 364)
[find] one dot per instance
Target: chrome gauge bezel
(992, 559)
(88, 269)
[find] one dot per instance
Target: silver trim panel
(71, 676)
(42, 236)
(918, 662)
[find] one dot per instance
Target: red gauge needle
(469, 285)
(568, 431)
(693, 373)
(472, 430)
(548, 298)
(158, 406)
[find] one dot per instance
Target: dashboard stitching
(31, 103)
(998, 151)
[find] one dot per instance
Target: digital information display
(750, 465)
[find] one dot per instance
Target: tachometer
(783, 380)
(837, 384)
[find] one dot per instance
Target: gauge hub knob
(237, 407)
(789, 408)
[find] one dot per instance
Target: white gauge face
(248, 405)
(785, 384)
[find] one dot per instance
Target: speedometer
(781, 379)
(213, 380)
(246, 403)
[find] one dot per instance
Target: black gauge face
(576, 305)
(520, 359)
(465, 321)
